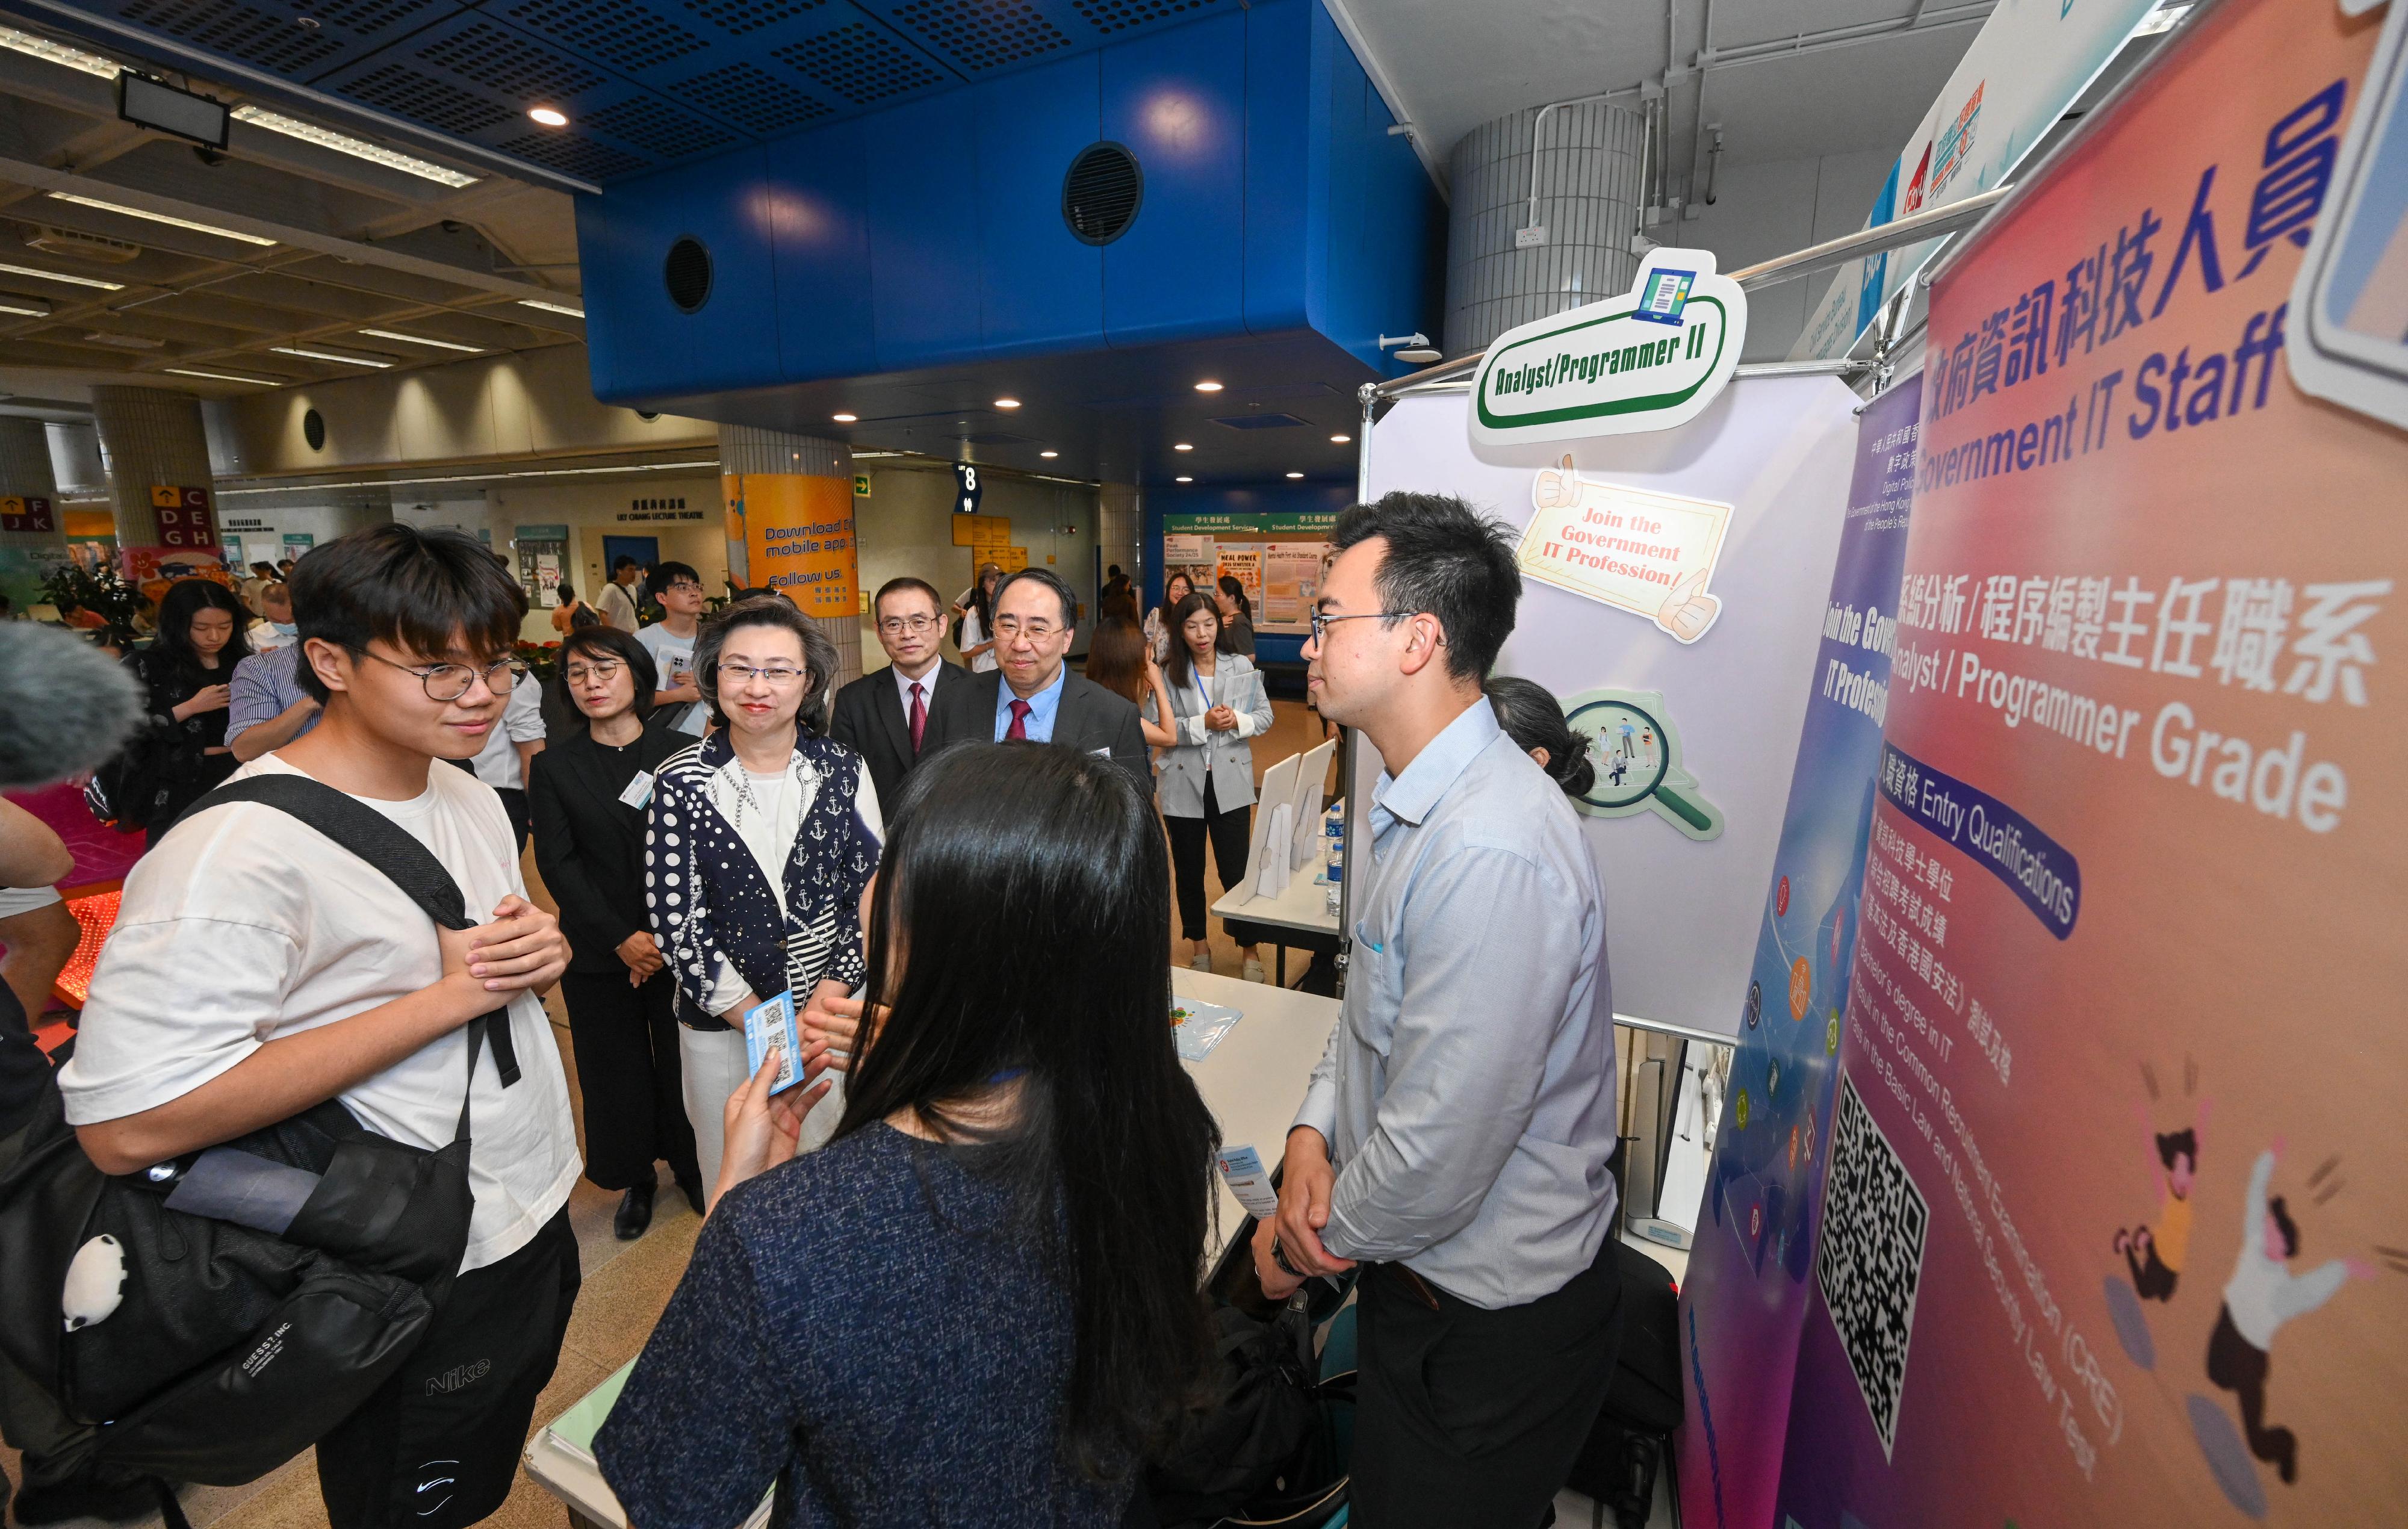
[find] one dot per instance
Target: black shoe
(99, 1492)
(693, 1188)
(635, 1213)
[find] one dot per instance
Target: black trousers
(2240, 1367)
(626, 1047)
(1466, 1418)
(1230, 832)
(514, 802)
(437, 1446)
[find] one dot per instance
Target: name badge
(639, 794)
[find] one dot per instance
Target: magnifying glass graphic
(1637, 756)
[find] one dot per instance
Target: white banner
(2031, 60)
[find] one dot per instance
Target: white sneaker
(1253, 970)
(1203, 961)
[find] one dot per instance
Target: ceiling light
(328, 355)
(1296, 475)
(548, 116)
(62, 276)
(343, 143)
(124, 211)
(1007, 403)
(1049, 455)
(1183, 446)
(553, 308)
(124, 342)
(1340, 440)
(1182, 478)
(421, 339)
(220, 376)
(32, 308)
(59, 53)
(1208, 387)
(846, 419)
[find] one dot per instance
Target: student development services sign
(1648, 360)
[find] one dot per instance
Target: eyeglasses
(1009, 628)
(680, 587)
(894, 626)
(603, 669)
(1322, 623)
(447, 682)
(777, 677)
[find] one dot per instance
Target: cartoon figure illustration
(1620, 769)
(2155, 1255)
(2261, 1297)
(1628, 752)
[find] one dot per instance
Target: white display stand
(1278, 787)
(1681, 915)
(1312, 795)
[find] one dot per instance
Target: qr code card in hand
(771, 1028)
(1871, 1262)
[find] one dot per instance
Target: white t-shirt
(972, 635)
(243, 925)
(522, 722)
(673, 656)
(617, 606)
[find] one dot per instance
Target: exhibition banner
(1279, 556)
(2109, 1233)
(2031, 60)
(1744, 1303)
(798, 539)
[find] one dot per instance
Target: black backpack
(1267, 1450)
(268, 1285)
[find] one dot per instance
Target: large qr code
(1871, 1261)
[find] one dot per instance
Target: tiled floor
(626, 1285)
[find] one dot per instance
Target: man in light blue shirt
(1455, 1137)
(1031, 693)
(1040, 707)
(265, 705)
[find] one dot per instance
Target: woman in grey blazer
(1207, 786)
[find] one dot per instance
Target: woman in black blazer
(588, 794)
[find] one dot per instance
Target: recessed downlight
(845, 418)
(1049, 455)
(1183, 446)
(1296, 475)
(1340, 440)
(1208, 387)
(1182, 478)
(1007, 403)
(548, 116)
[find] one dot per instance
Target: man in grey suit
(1032, 694)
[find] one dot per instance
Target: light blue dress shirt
(1467, 1091)
(262, 687)
(1042, 709)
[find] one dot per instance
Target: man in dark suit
(1033, 695)
(900, 715)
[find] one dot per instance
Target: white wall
(263, 528)
(1771, 208)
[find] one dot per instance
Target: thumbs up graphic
(1556, 489)
(1688, 611)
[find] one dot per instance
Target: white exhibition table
(1304, 908)
(1253, 1082)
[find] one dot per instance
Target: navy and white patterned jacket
(705, 897)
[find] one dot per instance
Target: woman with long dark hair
(1117, 660)
(759, 841)
(978, 620)
(1530, 717)
(185, 674)
(1176, 588)
(979, 1302)
(1217, 702)
(587, 793)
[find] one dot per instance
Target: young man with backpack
(257, 970)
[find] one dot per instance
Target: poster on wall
(1278, 557)
(798, 539)
(2109, 1233)
(1744, 1298)
(1686, 809)
(298, 542)
(1642, 550)
(542, 554)
(2352, 289)
(2025, 66)
(23, 570)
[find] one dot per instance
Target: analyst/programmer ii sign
(1651, 359)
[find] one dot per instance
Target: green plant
(101, 591)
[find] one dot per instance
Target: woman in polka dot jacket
(759, 842)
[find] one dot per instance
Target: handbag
(212, 1316)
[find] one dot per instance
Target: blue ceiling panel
(922, 162)
(1177, 102)
(645, 83)
(728, 337)
(1039, 286)
(819, 199)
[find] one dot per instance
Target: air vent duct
(78, 245)
(313, 430)
(686, 273)
(1101, 194)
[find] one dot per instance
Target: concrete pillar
(790, 527)
(153, 438)
(33, 523)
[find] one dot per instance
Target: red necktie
(919, 717)
(1019, 728)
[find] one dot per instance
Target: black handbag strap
(392, 851)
